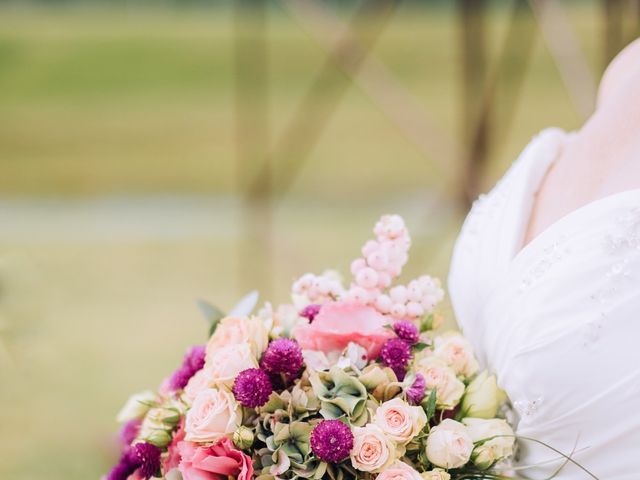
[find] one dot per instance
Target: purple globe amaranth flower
(400, 372)
(407, 331)
(283, 357)
(129, 431)
(310, 311)
(148, 457)
(416, 392)
(125, 467)
(252, 388)
(395, 353)
(192, 363)
(331, 441)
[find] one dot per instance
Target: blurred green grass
(114, 103)
(96, 103)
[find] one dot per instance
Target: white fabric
(559, 320)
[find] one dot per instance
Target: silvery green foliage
(340, 394)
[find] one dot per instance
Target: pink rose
(172, 460)
(217, 462)
(340, 323)
(213, 415)
(399, 471)
(200, 381)
(399, 420)
(224, 365)
(372, 450)
(237, 330)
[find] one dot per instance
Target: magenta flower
(310, 311)
(396, 354)
(331, 441)
(252, 388)
(125, 467)
(415, 393)
(407, 331)
(130, 431)
(143, 457)
(148, 457)
(283, 357)
(192, 363)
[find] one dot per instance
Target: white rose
(499, 446)
(137, 406)
(436, 474)
(449, 389)
(449, 445)
(226, 363)
(399, 471)
(399, 420)
(213, 415)
(483, 397)
(238, 330)
(372, 450)
(457, 352)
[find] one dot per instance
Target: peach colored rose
(449, 389)
(226, 363)
(449, 445)
(200, 381)
(213, 415)
(237, 330)
(457, 352)
(372, 450)
(399, 471)
(436, 474)
(219, 461)
(340, 323)
(399, 420)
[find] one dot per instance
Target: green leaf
(431, 405)
(211, 313)
(427, 323)
(420, 346)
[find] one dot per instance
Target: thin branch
(569, 58)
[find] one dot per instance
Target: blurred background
(157, 152)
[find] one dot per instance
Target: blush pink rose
(217, 462)
(340, 323)
(172, 460)
(399, 471)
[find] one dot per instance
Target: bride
(545, 279)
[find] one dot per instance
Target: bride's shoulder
(620, 77)
(609, 139)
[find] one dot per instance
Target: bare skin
(603, 157)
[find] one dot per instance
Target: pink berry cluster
(412, 302)
(382, 260)
(317, 289)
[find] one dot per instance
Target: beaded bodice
(558, 319)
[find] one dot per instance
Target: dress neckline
(521, 248)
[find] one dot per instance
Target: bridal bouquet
(342, 383)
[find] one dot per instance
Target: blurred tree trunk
(614, 37)
(252, 142)
(475, 126)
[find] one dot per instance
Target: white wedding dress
(558, 321)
